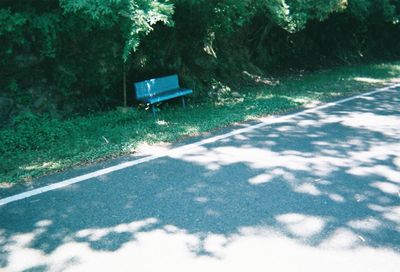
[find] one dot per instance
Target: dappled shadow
(327, 179)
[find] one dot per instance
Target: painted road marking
(265, 121)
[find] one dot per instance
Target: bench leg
(183, 102)
(153, 110)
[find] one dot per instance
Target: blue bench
(160, 89)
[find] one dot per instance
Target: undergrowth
(33, 146)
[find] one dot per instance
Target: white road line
(267, 121)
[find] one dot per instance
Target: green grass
(35, 146)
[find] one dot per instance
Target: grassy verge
(36, 146)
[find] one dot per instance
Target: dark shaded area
(60, 61)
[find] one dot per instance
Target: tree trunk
(124, 84)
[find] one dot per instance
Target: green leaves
(389, 10)
(293, 15)
(10, 22)
(133, 18)
(143, 15)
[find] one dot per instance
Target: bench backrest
(152, 87)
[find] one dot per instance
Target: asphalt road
(317, 191)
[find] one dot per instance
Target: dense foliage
(68, 56)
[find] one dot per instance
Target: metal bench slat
(153, 87)
(168, 95)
